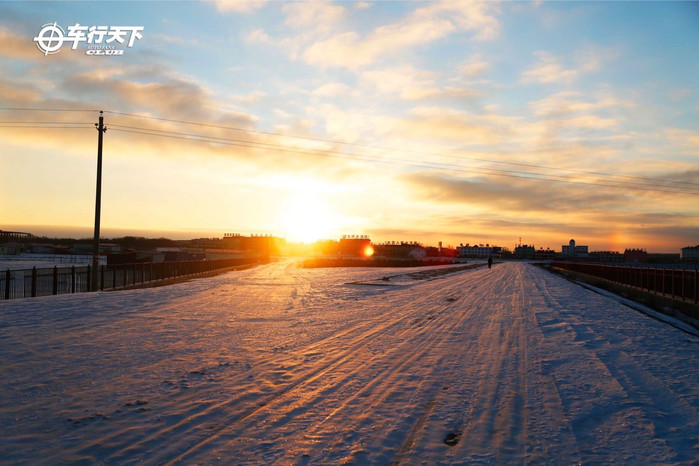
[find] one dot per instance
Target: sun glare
(368, 250)
(306, 219)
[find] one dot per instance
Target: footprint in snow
(452, 438)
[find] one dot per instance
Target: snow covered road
(285, 365)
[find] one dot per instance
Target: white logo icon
(52, 36)
(45, 43)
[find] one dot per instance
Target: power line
(390, 161)
(330, 141)
(655, 183)
(47, 109)
(44, 126)
(253, 144)
(48, 122)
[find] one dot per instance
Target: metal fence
(61, 280)
(675, 283)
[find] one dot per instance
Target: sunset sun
(305, 218)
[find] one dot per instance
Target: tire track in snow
(524, 366)
(190, 426)
(496, 420)
(289, 404)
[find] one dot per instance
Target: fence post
(683, 295)
(672, 283)
(663, 279)
(55, 280)
(72, 279)
(655, 280)
(33, 293)
(8, 276)
(89, 277)
(102, 278)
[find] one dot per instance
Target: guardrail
(61, 280)
(675, 283)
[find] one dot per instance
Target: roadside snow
(291, 365)
(27, 261)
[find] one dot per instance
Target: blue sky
(407, 120)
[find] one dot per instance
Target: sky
(460, 122)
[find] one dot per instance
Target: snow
(280, 364)
(28, 261)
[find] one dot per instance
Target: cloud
(320, 16)
(468, 16)
(435, 123)
(239, 6)
(566, 103)
(17, 94)
(169, 39)
(511, 194)
(589, 122)
(19, 45)
(412, 84)
(179, 98)
(474, 67)
(15, 46)
(685, 140)
(252, 97)
(593, 59)
(350, 49)
(393, 80)
(333, 89)
(490, 208)
(548, 70)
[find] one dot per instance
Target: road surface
(279, 364)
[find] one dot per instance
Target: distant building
(690, 253)
(524, 251)
(327, 247)
(479, 252)
(635, 255)
(207, 243)
(354, 245)
(13, 235)
(544, 254)
(264, 245)
(571, 250)
(400, 250)
(607, 256)
(10, 249)
(663, 258)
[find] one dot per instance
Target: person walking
(490, 262)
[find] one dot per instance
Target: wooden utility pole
(98, 206)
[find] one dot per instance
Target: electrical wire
(44, 127)
(651, 184)
(390, 161)
(17, 109)
(213, 139)
(48, 122)
(330, 141)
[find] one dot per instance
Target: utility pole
(98, 206)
